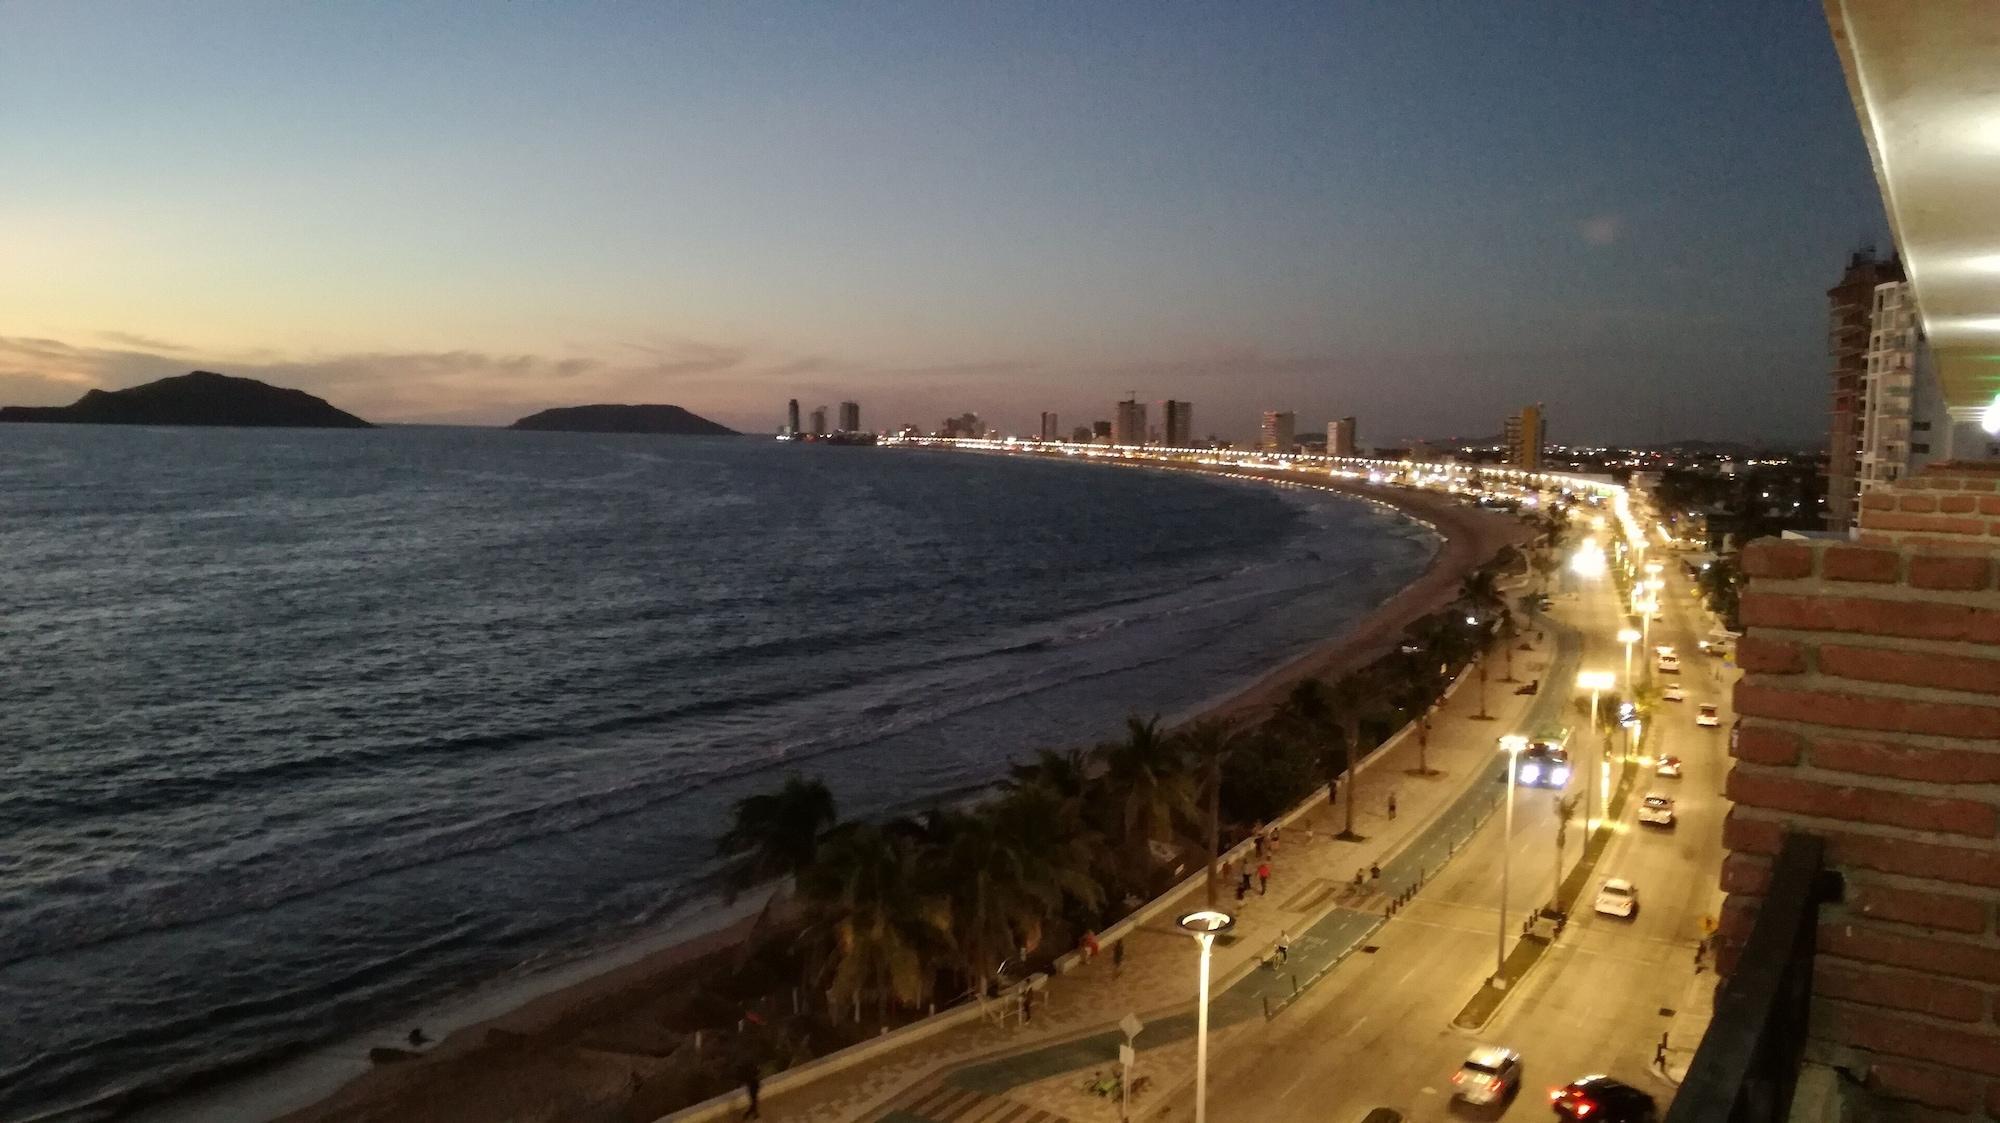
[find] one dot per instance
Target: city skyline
(719, 207)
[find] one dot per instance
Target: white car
(1674, 692)
(1618, 897)
(1707, 718)
(1489, 1075)
(1670, 661)
(1669, 766)
(1657, 810)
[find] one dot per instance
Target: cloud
(1601, 230)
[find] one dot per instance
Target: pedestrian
(1027, 1005)
(1284, 945)
(1392, 806)
(1089, 945)
(1660, 1052)
(753, 1083)
(1263, 877)
(1374, 872)
(1243, 883)
(1259, 838)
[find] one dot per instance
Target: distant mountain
(201, 397)
(623, 419)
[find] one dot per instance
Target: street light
(1204, 925)
(1596, 682)
(1628, 637)
(1511, 744)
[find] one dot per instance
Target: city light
(1588, 561)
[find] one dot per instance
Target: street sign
(1131, 1024)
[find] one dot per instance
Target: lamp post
(1204, 925)
(1511, 744)
(1596, 682)
(1628, 637)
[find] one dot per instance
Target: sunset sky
(1422, 214)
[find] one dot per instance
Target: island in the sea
(201, 397)
(623, 419)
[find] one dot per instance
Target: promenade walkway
(1002, 1071)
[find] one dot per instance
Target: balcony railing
(1747, 1064)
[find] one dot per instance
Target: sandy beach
(587, 1051)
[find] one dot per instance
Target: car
(1669, 767)
(1674, 692)
(1670, 662)
(1707, 718)
(1618, 897)
(1600, 1099)
(1657, 810)
(1490, 1075)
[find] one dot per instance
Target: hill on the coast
(200, 397)
(623, 419)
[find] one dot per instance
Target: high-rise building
(850, 417)
(1051, 428)
(792, 418)
(1082, 435)
(1128, 423)
(1176, 423)
(1280, 431)
(1100, 432)
(1527, 432)
(1850, 320)
(1340, 437)
(1890, 435)
(819, 421)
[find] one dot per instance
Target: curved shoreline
(536, 1043)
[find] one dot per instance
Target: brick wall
(1870, 707)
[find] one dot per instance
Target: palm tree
(880, 930)
(1210, 742)
(1147, 776)
(776, 834)
(1315, 713)
(1064, 772)
(1546, 562)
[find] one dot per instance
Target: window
(1921, 426)
(1920, 447)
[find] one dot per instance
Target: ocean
(305, 731)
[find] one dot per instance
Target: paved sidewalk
(988, 1071)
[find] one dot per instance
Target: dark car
(1600, 1099)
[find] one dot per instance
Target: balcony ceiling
(1925, 78)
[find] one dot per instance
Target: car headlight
(1559, 777)
(1530, 773)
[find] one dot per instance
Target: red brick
(1993, 1100)
(1900, 990)
(1878, 501)
(1907, 762)
(1926, 910)
(1867, 711)
(1771, 557)
(1934, 524)
(1919, 502)
(1860, 563)
(1932, 1087)
(1770, 656)
(1747, 874)
(1989, 504)
(1954, 959)
(1864, 805)
(1907, 619)
(1911, 668)
(1751, 836)
(1761, 744)
(1899, 1036)
(1929, 571)
(1957, 504)
(1936, 861)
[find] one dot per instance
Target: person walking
(1284, 945)
(1263, 877)
(753, 1083)
(1392, 806)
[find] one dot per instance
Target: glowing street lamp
(1511, 744)
(1597, 682)
(1204, 925)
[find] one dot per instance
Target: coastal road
(1377, 1031)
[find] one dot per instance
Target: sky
(1420, 214)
